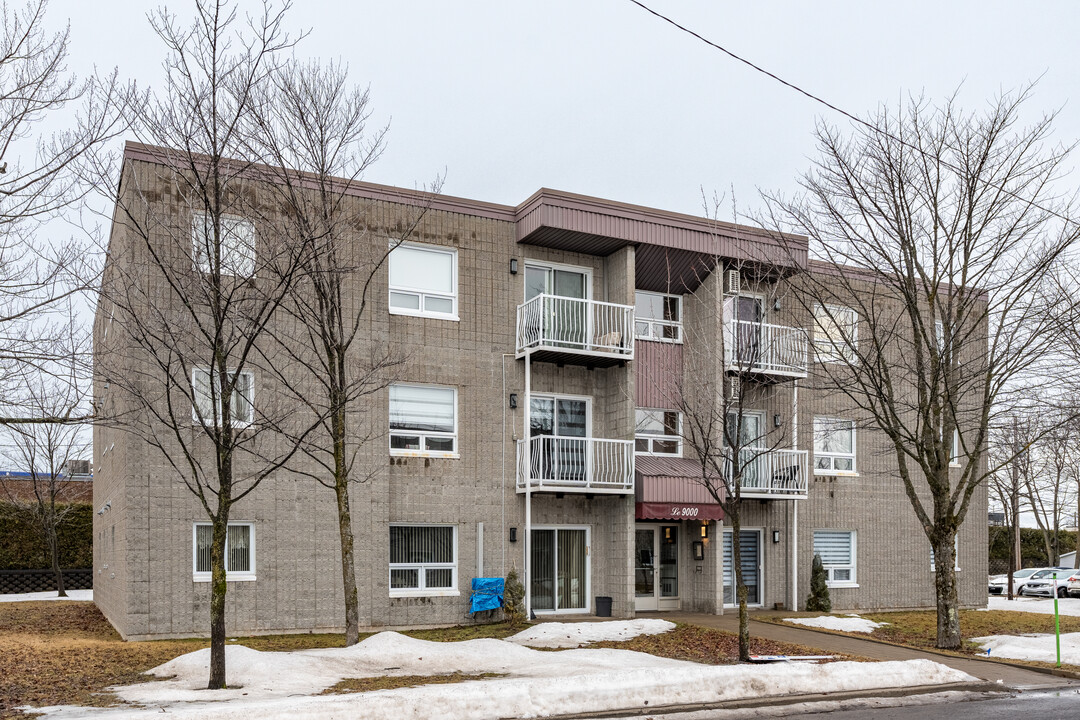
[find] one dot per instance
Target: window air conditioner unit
(733, 282)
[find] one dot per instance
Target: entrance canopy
(670, 488)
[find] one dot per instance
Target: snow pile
(50, 595)
(280, 685)
(1039, 647)
(847, 623)
(572, 635)
(1066, 606)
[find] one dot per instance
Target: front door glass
(669, 561)
(750, 552)
(644, 565)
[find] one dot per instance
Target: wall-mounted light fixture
(776, 420)
(776, 536)
(667, 533)
(513, 534)
(704, 529)
(776, 305)
(513, 401)
(699, 550)
(513, 266)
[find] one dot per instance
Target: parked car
(1074, 584)
(999, 584)
(1044, 583)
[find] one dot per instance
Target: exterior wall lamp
(776, 536)
(513, 266)
(513, 401)
(699, 550)
(513, 534)
(704, 529)
(776, 420)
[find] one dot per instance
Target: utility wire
(841, 111)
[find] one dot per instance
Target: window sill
(643, 338)
(425, 454)
(418, 313)
(835, 473)
(841, 585)
(423, 593)
(228, 578)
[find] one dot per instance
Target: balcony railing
(584, 465)
(772, 473)
(761, 349)
(565, 325)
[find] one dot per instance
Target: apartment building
(535, 425)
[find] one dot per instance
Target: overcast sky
(599, 97)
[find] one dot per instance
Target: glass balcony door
(564, 323)
(562, 426)
(560, 570)
(745, 314)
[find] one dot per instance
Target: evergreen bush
(818, 600)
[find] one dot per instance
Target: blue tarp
(487, 594)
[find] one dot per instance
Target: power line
(840, 110)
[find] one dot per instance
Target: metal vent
(733, 282)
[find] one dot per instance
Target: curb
(1057, 672)
(781, 700)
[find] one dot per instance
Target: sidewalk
(1009, 675)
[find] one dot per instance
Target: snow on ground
(1039, 647)
(847, 623)
(572, 635)
(1066, 606)
(50, 595)
(537, 683)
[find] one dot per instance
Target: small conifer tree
(514, 600)
(818, 599)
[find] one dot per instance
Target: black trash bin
(603, 606)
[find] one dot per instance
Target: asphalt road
(1052, 705)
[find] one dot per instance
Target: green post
(1057, 620)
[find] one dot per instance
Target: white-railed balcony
(577, 465)
(770, 352)
(576, 331)
(775, 474)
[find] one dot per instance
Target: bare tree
(198, 273)
(312, 133)
(724, 351)
(1049, 479)
(37, 181)
(46, 452)
(942, 228)
(1008, 448)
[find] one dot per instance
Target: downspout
(795, 503)
(528, 485)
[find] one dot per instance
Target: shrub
(818, 600)
(514, 600)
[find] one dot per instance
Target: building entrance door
(656, 567)
(750, 554)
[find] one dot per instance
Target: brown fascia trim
(641, 213)
(494, 211)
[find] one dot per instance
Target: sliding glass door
(560, 570)
(562, 426)
(750, 552)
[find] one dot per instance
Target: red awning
(678, 511)
(669, 488)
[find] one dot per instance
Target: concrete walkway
(1010, 675)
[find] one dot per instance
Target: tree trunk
(345, 530)
(740, 588)
(948, 604)
(54, 557)
(218, 588)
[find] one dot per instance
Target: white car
(999, 584)
(1044, 583)
(1073, 584)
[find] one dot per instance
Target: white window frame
(652, 437)
(655, 326)
(588, 609)
(230, 255)
(827, 349)
(830, 568)
(421, 293)
(230, 576)
(545, 265)
(424, 434)
(422, 568)
(853, 454)
(238, 423)
(954, 459)
(956, 555)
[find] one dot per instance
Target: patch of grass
(464, 632)
(392, 682)
(707, 645)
